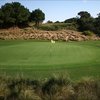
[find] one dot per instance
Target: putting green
(41, 59)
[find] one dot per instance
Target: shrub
(88, 33)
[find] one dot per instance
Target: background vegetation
(57, 26)
(15, 14)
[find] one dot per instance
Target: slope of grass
(57, 26)
(41, 59)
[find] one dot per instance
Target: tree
(86, 22)
(84, 14)
(97, 25)
(57, 22)
(14, 14)
(1, 18)
(71, 20)
(49, 21)
(21, 14)
(37, 16)
(7, 10)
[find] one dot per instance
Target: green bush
(88, 33)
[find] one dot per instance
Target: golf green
(40, 59)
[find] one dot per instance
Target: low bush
(88, 33)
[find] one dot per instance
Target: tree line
(86, 22)
(15, 14)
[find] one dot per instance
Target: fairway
(40, 59)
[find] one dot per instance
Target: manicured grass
(40, 59)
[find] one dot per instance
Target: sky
(60, 10)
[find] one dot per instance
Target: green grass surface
(40, 59)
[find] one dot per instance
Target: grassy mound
(42, 59)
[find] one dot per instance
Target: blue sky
(60, 9)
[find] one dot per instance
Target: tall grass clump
(4, 88)
(58, 87)
(88, 89)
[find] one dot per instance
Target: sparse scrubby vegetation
(54, 88)
(58, 26)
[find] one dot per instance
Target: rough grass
(58, 87)
(57, 26)
(39, 59)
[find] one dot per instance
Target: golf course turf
(40, 59)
